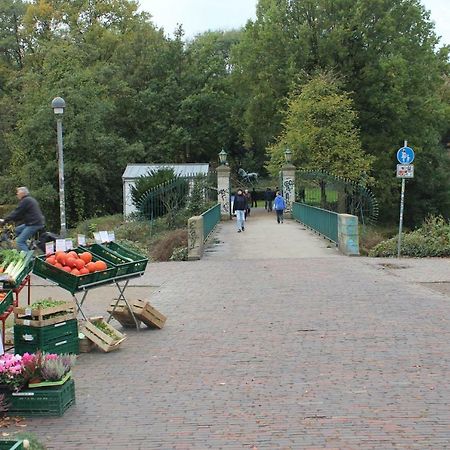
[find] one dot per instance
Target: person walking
(279, 205)
(240, 207)
(268, 197)
(254, 202)
(29, 213)
(248, 196)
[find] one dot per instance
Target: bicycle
(36, 242)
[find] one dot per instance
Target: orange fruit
(86, 257)
(100, 265)
(91, 267)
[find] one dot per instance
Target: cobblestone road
(271, 353)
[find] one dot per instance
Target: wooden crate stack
(53, 329)
(143, 311)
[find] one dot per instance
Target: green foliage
(153, 179)
(431, 239)
(134, 95)
(320, 129)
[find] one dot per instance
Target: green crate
(68, 344)
(69, 282)
(7, 302)
(24, 334)
(139, 260)
(11, 444)
(51, 401)
(22, 275)
(123, 263)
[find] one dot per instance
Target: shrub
(164, 247)
(432, 239)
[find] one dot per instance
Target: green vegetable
(103, 327)
(47, 303)
(14, 262)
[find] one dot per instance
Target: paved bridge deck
(271, 347)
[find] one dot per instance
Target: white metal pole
(402, 204)
(62, 203)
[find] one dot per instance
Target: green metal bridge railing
(323, 221)
(210, 219)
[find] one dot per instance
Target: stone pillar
(223, 191)
(195, 238)
(288, 187)
(348, 234)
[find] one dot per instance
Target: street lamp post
(58, 105)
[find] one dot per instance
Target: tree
(320, 129)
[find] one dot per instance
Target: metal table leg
(80, 304)
(122, 297)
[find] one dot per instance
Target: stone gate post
(223, 187)
(288, 177)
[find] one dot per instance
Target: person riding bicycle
(29, 213)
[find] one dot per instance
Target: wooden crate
(122, 315)
(142, 310)
(86, 345)
(38, 317)
(101, 339)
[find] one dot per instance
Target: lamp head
(223, 157)
(58, 105)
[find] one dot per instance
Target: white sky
(198, 16)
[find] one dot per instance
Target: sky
(198, 16)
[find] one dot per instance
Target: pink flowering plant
(17, 371)
(12, 371)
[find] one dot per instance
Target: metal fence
(210, 219)
(175, 194)
(327, 191)
(321, 220)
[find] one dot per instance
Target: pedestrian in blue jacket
(279, 205)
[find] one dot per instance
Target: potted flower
(12, 377)
(36, 369)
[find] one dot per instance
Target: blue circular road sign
(405, 155)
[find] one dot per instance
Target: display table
(123, 265)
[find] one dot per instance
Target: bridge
(270, 345)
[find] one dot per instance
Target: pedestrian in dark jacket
(29, 213)
(254, 202)
(268, 198)
(240, 205)
(248, 196)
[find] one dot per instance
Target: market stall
(82, 269)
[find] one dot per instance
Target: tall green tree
(320, 129)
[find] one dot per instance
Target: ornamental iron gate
(334, 193)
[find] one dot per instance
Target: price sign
(49, 248)
(60, 245)
(81, 238)
(104, 236)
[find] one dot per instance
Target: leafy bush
(432, 239)
(179, 254)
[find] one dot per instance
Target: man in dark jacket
(29, 213)
(268, 199)
(240, 205)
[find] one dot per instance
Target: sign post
(405, 169)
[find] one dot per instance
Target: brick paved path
(271, 353)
